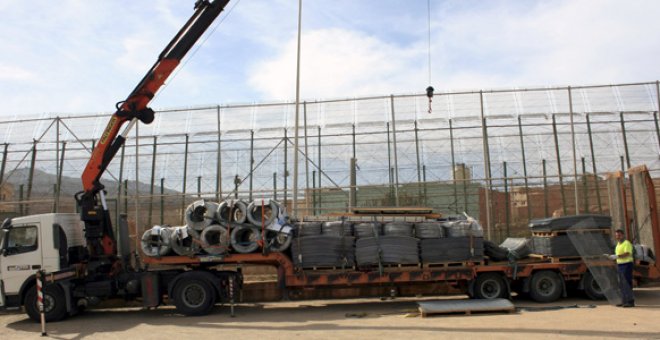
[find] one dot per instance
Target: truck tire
(193, 296)
(490, 286)
(546, 286)
(54, 303)
(592, 289)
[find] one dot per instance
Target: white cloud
(15, 73)
(503, 44)
(337, 62)
(84, 55)
(568, 42)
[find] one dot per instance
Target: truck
(83, 262)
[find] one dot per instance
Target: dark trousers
(626, 282)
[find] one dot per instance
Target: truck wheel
(54, 304)
(546, 286)
(193, 296)
(490, 286)
(591, 288)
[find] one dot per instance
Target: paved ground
(356, 319)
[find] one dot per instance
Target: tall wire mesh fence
(502, 156)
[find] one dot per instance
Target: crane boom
(98, 228)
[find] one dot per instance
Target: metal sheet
(464, 306)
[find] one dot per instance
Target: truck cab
(48, 242)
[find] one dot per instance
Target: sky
(83, 56)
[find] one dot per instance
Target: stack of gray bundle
(576, 244)
(452, 249)
(368, 229)
(518, 248)
(554, 246)
(575, 222)
(398, 229)
(430, 234)
(337, 228)
(397, 246)
(386, 250)
(429, 230)
(323, 251)
(463, 228)
(302, 229)
(568, 236)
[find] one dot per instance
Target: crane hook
(429, 94)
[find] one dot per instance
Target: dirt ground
(357, 319)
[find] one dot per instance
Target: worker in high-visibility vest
(623, 255)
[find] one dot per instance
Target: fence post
(59, 178)
(628, 164)
(396, 158)
(453, 166)
(162, 200)
(545, 191)
(185, 177)
(489, 184)
(286, 169)
(4, 163)
(593, 164)
(251, 164)
(561, 180)
(153, 179)
(320, 197)
(507, 204)
(218, 179)
(524, 164)
(31, 176)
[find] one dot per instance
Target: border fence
(502, 156)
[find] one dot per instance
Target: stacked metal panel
(323, 251)
(575, 222)
(592, 243)
(387, 250)
(337, 228)
(452, 249)
(368, 229)
(571, 236)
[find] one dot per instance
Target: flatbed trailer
(544, 278)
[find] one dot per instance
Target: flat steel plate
(465, 306)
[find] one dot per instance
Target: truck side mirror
(4, 234)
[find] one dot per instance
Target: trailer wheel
(591, 288)
(545, 286)
(54, 304)
(490, 286)
(193, 296)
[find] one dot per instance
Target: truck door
(21, 256)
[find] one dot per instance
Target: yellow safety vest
(622, 248)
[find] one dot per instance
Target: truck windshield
(21, 240)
